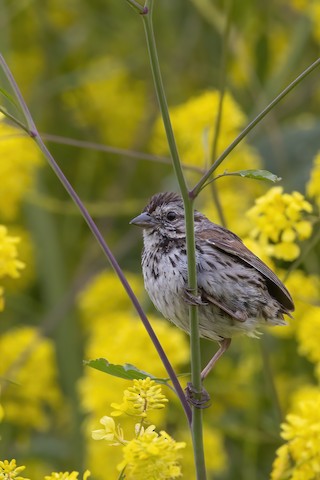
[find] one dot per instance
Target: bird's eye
(171, 216)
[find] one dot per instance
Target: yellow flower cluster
(10, 470)
(152, 456)
(308, 336)
(17, 171)
(313, 186)
(148, 455)
(299, 457)
(110, 433)
(145, 395)
(108, 78)
(67, 476)
(279, 224)
(194, 127)
(9, 263)
(25, 357)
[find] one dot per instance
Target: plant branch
(100, 147)
(251, 125)
(33, 132)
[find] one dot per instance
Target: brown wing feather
(230, 243)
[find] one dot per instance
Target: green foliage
(126, 371)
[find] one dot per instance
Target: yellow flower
(23, 352)
(108, 78)
(299, 458)
(10, 265)
(194, 122)
(67, 476)
(17, 171)
(308, 334)
(152, 456)
(113, 435)
(278, 223)
(313, 186)
(10, 471)
(145, 395)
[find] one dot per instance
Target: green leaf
(257, 175)
(126, 371)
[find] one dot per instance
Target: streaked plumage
(238, 292)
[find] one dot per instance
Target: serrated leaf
(257, 175)
(126, 371)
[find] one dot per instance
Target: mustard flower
(10, 470)
(17, 171)
(308, 334)
(299, 457)
(113, 435)
(151, 456)
(278, 222)
(194, 123)
(313, 186)
(10, 265)
(67, 476)
(22, 353)
(145, 395)
(126, 101)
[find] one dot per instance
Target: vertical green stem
(157, 78)
(196, 426)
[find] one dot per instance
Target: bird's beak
(143, 220)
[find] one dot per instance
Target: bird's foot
(191, 299)
(197, 399)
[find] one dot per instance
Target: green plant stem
(157, 78)
(196, 426)
(251, 125)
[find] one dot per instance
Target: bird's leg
(202, 399)
(224, 345)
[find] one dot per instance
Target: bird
(237, 293)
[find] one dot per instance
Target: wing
(228, 242)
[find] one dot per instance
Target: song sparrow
(237, 292)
